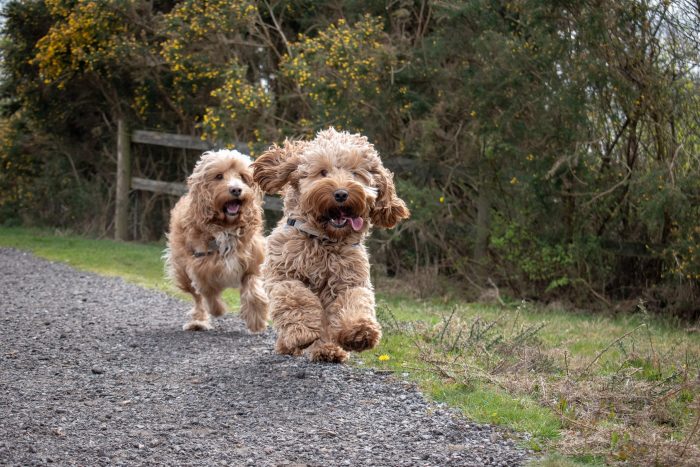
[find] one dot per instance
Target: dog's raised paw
(197, 326)
(361, 335)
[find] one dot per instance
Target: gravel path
(95, 371)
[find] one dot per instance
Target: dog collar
(304, 227)
(212, 247)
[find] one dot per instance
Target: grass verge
(594, 389)
(588, 389)
(138, 263)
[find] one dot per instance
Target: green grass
(138, 263)
(475, 357)
(582, 335)
(557, 460)
(477, 401)
(481, 402)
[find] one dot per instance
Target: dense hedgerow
(548, 148)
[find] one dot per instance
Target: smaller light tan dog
(216, 241)
(316, 271)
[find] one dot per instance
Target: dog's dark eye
(324, 173)
(360, 175)
(219, 176)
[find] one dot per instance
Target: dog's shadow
(226, 335)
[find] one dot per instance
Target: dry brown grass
(632, 399)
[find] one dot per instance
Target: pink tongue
(356, 223)
(232, 207)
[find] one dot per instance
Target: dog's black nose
(340, 195)
(235, 191)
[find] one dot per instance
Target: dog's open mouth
(232, 208)
(340, 218)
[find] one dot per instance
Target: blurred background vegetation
(547, 149)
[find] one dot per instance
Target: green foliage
(87, 37)
(16, 172)
(551, 147)
(340, 67)
(539, 260)
(209, 79)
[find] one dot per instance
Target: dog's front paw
(293, 339)
(326, 352)
(195, 325)
(361, 335)
(282, 349)
(297, 336)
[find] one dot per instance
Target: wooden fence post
(121, 214)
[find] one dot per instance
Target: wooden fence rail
(178, 189)
(125, 181)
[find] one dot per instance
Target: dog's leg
(325, 348)
(199, 318)
(207, 302)
(351, 320)
(215, 305)
(296, 314)
(254, 306)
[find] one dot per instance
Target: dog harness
(304, 227)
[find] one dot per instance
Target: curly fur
(321, 297)
(228, 240)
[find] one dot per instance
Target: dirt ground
(95, 371)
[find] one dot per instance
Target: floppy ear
(388, 209)
(276, 167)
(201, 199)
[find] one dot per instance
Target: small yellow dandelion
(442, 199)
(473, 114)
(514, 181)
(384, 358)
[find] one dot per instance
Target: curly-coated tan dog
(216, 241)
(317, 268)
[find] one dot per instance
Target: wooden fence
(126, 183)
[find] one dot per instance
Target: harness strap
(310, 232)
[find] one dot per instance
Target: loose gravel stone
(96, 371)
